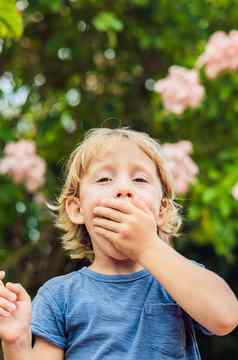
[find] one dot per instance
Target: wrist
(145, 258)
(19, 342)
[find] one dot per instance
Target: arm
(204, 295)
(19, 349)
(15, 328)
(22, 350)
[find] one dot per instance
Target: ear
(161, 216)
(72, 206)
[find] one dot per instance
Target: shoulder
(56, 290)
(61, 280)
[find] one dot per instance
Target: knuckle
(18, 286)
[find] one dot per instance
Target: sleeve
(47, 318)
(198, 326)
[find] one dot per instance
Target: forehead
(117, 151)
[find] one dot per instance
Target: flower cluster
(23, 165)
(181, 166)
(180, 89)
(221, 53)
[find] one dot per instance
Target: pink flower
(180, 89)
(182, 167)
(235, 191)
(23, 165)
(221, 53)
(233, 50)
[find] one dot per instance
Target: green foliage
(105, 21)
(10, 20)
(53, 5)
(110, 54)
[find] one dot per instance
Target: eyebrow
(109, 166)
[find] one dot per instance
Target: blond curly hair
(76, 238)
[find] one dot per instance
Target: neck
(115, 267)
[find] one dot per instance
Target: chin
(110, 250)
(118, 256)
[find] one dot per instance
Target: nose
(121, 194)
(123, 190)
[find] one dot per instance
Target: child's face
(122, 171)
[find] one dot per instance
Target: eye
(103, 179)
(141, 179)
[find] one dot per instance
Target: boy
(139, 298)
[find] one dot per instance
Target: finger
(22, 294)
(109, 235)
(14, 289)
(7, 305)
(4, 313)
(122, 205)
(109, 213)
(108, 224)
(142, 205)
(5, 293)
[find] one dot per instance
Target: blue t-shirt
(93, 316)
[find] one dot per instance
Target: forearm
(20, 349)
(204, 295)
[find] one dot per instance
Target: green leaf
(11, 25)
(140, 2)
(224, 207)
(209, 195)
(107, 21)
(52, 5)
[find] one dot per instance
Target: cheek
(89, 201)
(87, 204)
(153, 200)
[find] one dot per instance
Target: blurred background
(167, 68)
